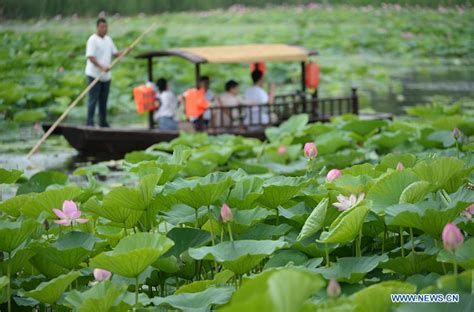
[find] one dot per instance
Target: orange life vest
(260, 66)
(195, 102)
(312, 75)
(144, 98)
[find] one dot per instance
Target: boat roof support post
(303, 77)
(355, 101)
(151, 122)
(198, 74)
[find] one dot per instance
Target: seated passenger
(195, 105)
(231, 98)
(258, 115)
(165, 115)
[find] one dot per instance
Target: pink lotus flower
(282, 149)
(457, 133)
(310, 150)
(468, 212)
(69, 215)
(333, 174)
(334, 289)
(226, 214)
(452, 237)
(344, 203)
(101, 275)
(400, 166)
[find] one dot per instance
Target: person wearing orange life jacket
(195, 106)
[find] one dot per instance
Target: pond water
(418, 86)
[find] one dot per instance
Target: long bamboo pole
(85, 91)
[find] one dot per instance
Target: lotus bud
(469, 212)
(334, 289)
(101, 275)
(452, 237)
(333, 174)
(457, 133)
(400, 166)
(310, 150)
(282, 149)
(226, 214)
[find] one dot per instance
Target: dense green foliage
(160, 229)
(41, 8)
(42, 62)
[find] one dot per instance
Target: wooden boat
(113, 143)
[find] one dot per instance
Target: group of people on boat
(197, 102)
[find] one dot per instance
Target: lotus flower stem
(229, 228)
(412, 240)
(9, 284)
(196, 222)
(359, 243)
(326, 249)
(277, 217)
(212, 226)
(401, 242)
(455, 267)
(136, 291)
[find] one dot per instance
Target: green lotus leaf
(283, 290)
(378, 296)
(40, 181)
(18, 261)
(198, 301)
(391, 161)
(351, 269)
(414, 192)
(238, 256)
(361, 170)
(364, 127)
(426, 216)
(9, 176)
(70, 249)
(282, 258)
(30, 116)
(12, 205)
(245, 192)
(185, 238)
(279, 190)
(200, 192)
(262, 231)
(315, 221)
(439, 171)
(290, 127)
(412, 264)
(99, 298)
(4, 281)
(92, 169)
(333, 141)
(349, 184)
(46, 201)
(346, 227)
(133, 254)
(220, 279)
(388, 189)
(389, 140)
(51, 291)
(14, 233)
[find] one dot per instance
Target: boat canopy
(249, 53)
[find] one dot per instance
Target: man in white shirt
(99, 52)
(258, 115)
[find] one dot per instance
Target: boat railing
(285, 105)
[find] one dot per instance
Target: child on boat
(165, 115)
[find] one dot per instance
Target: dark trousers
(98, 93)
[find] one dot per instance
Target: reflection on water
(417, 86)
(420, 84)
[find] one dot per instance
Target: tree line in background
(12, 9)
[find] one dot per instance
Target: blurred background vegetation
(11, 9)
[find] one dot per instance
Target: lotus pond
(319, 217)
